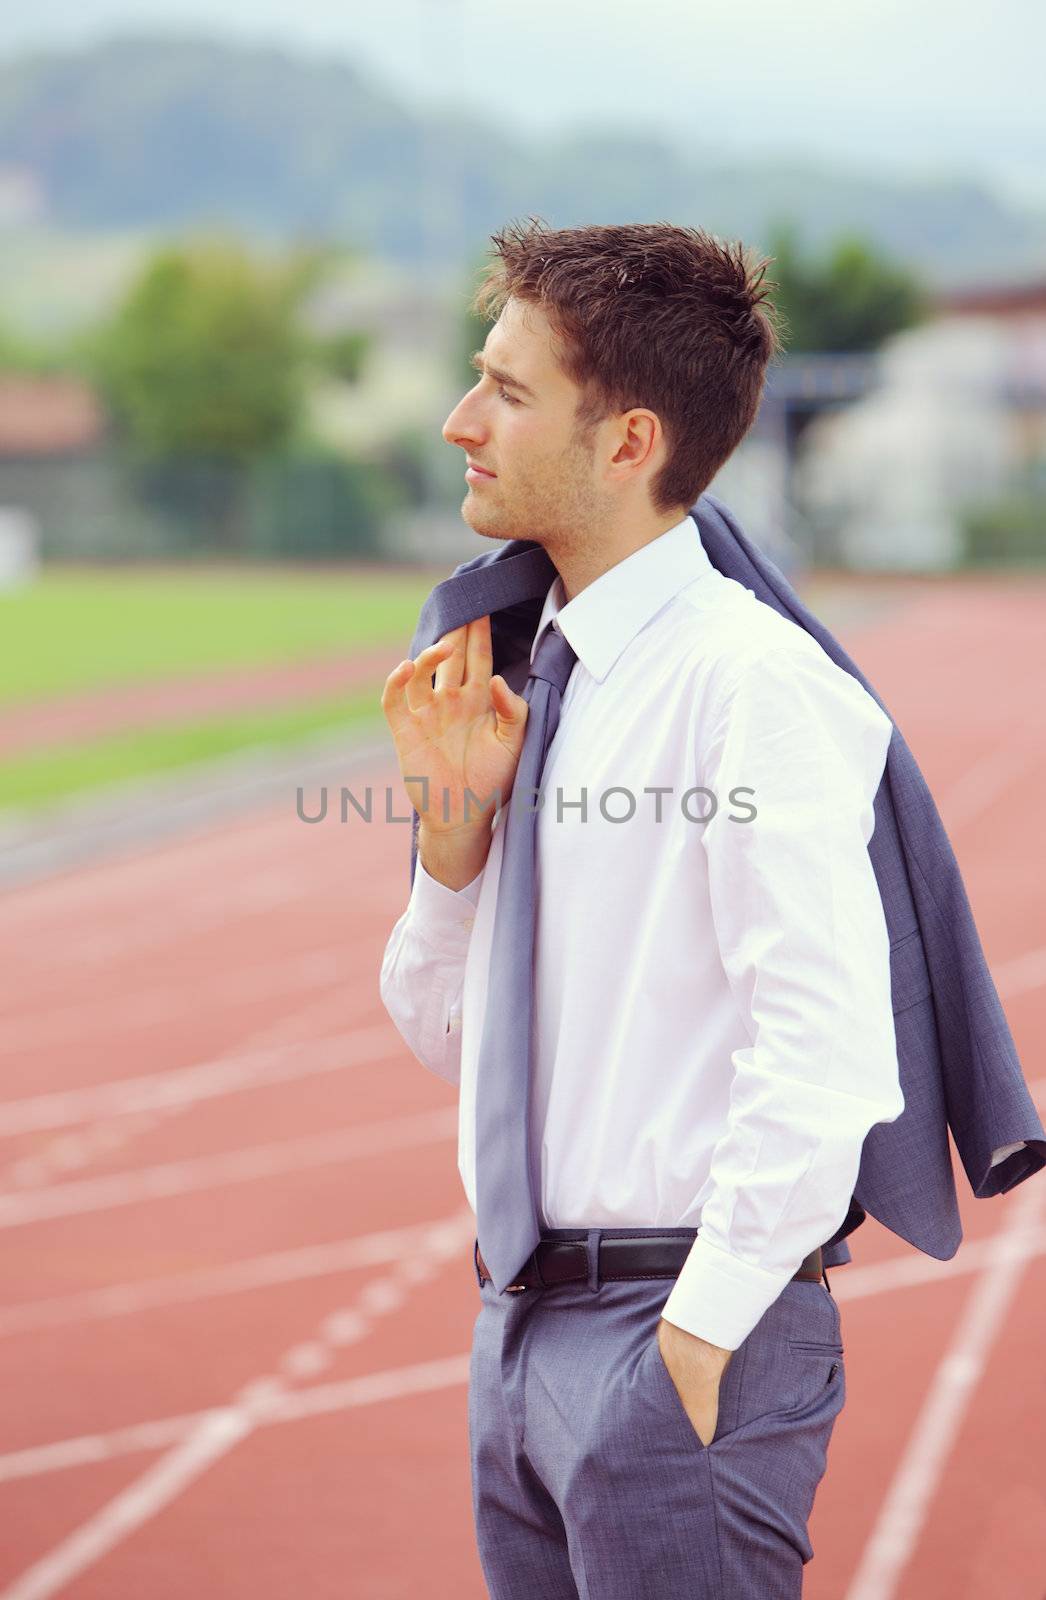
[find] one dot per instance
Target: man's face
(518, 423)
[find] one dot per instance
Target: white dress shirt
(714, 1034)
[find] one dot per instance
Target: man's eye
(510, 398)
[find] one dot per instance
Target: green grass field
(30, 781)
(81, 630)
(72, 631)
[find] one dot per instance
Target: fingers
(463, 654)
(409, 687)
(419, 685)
(393, 700)
(480, 655)
(450, 673)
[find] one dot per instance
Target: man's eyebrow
(476, 360)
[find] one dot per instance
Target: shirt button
(468, 922)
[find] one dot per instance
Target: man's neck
(580, 566)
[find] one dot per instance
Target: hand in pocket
(696, 1369)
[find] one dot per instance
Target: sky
(913, 88)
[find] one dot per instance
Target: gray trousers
(588, 1478)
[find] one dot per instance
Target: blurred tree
(343, 354)
(850, 300)
(405, 458)
(29, 355)
(205, 354)
(204, 366)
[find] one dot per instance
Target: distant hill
(160, 133)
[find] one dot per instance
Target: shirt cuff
(719, 1298)
(1005, 1150)
(443, 917)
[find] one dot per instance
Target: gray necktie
(507, 1224)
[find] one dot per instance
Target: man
(710, 997)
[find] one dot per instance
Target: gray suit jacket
(958, 1063)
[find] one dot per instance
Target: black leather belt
(646, 1256)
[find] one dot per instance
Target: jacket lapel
(509, 585)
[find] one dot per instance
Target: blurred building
(51, 429)
(757, 483)
(954, 420)
(46, 418)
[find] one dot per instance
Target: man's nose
(464, 426)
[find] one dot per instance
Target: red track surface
(238, 1299)
(133, 707)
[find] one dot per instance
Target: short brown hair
(649, 314)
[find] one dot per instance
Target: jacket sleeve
(423, 970)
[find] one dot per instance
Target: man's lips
(477, 474)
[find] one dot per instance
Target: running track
(237, 1297)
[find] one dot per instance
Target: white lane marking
(342, 1327)
(904, 1508)
(223, 906)
(229, 1167)
(196, 903)
(236, 1277)
(199, 903)
(913, 1272)
(78, 1149)
(89, 1448)
(296, 1029)
(224, 988)
(373, 1388)
(28, 1172)
(205, 1080)
(306, 1360)
(208, 1439)
(211, 1438)
(122, 882)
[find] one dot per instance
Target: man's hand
(466, 732)
(695, 1367)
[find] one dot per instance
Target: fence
(101, 506)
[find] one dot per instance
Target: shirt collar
(606, 616)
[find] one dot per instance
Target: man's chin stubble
(486, 528)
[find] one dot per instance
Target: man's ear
(639, 436)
